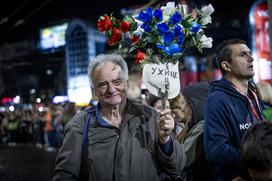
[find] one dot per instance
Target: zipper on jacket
(115, 150)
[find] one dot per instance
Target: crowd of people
(42, 128)
(218, 130)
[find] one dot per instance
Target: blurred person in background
(38, 128)
(49, 128)
(232, 107)
(13, 127)
(65, 115)
(188, 108)
(265, 92)
(117, 139)
(25, 126)
(256, 151)
(4, 127)
(156, 102)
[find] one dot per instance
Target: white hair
(103, 58)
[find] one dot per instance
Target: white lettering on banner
(244, 126)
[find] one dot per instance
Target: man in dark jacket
(126, 141)
(231, 108)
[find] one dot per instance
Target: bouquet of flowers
(159, 35)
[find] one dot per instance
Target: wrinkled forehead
(107, 69)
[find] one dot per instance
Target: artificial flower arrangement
(159, 35)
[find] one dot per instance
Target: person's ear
(226, 66)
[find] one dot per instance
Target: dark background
(26, 17)
(21, 20)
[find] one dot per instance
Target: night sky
(20, 19)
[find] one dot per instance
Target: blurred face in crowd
(181, 110)
(241, 63)
(109, 84)
(260, 175)
(158, 105)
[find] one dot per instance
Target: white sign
(162, 79)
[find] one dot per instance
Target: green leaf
(133, 26)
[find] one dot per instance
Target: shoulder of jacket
(143, 110)
(217, 95)
(78, 120)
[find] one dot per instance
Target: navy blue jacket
(227, 116)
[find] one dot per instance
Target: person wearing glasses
(118, 140)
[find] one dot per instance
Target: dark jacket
(197, 167)
(196, 96)
(129, 153)
(227, 116)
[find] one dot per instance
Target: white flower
(206, 20)
(206, 42)
(207, 10)
(183, 8)
(169, 9)
(139, 23)
(138, 32)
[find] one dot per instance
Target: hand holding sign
(162, 80)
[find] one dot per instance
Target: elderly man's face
(109, 84)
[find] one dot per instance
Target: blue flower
(168, 37)
(195, 27)
(145, 16)
(158, 14)
(175, 18)
(162, 27)
(177, 30)
(172, 49)
(146, 27)
(181, 39)
(166, 31)
(160, 46)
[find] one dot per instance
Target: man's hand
(165, 126)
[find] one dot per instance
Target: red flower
(124, 26)
(115, 37)
(140, 56)
(104, 23)
(134, 38)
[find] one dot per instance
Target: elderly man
(126, 141)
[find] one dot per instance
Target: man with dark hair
(256, 151)
(232, 107)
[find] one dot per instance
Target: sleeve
(170, 163)
(167, 147)
(174, 163)
(217, 139)
(68, 160)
